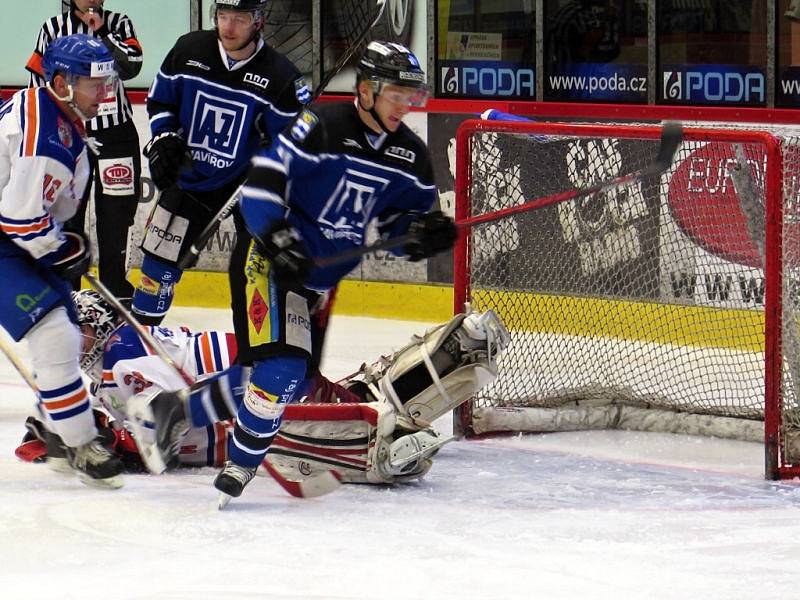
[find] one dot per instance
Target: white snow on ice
(597, 515)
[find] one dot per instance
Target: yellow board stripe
(637, 321)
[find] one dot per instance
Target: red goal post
(662, 302)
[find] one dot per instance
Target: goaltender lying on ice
(372, 427)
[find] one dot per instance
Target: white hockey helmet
(94, 311)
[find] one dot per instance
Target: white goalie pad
(437, 371)
(358, 441)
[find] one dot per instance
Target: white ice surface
(562, 516)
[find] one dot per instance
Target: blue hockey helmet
(78, 55)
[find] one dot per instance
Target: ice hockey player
(43, 172)
(219, 96)
(116, 141)
(337, 170)
(385, 438)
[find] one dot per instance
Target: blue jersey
(224, 111)
(332, 177)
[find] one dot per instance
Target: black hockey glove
(435, 232)
(74, 257)
(287, 255)
(166, 153)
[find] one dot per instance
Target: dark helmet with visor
(388, 63)
(257, 7)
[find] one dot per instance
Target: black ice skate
(96, 465)
(159, 423)
(231, 482)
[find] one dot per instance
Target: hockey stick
(318, 485)
(17, 363)
(671, 137)
(189, 258)
(380, 6)
(146, 337)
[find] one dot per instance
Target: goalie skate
(158, 424)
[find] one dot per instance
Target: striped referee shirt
(118, 36)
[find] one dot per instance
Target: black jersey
(332, 176)
(224, 111)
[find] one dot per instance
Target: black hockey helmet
(243, 5)
(389, 63)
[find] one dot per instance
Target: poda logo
(117, 174)
(706, 206)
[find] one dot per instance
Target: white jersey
(130, 369)
(43, 171)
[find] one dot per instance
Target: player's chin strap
(372, 112)
(69, 100)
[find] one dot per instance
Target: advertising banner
(486, 78)
(707, 231)
(739, 85)
(463, 45)
(788, 87)
(598, 82)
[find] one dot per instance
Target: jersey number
(49, 188)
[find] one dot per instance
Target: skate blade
(109, 483)
(223, 500)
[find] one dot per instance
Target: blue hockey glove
(435, 232)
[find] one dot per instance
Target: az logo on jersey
(217, 124)
(348, 211)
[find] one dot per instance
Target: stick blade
(671, 137)
(312, 487)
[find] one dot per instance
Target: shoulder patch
(305, 122)
(301, 90)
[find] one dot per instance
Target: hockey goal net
(666, 302)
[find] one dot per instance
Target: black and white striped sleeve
(120, 38)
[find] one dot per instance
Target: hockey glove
(290, 262)
(435, 232)
(166, 153)
(74, 256)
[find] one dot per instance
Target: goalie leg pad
(439, 371)
(345, 437)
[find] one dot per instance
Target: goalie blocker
(388, 438)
